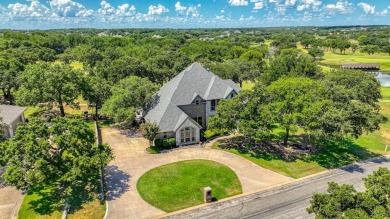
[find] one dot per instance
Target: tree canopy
(129, 95)
(342, 201)
(63, 151)
(51, 84)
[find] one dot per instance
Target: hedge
(166, 143)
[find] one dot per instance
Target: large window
(187, 134)
(214, 104)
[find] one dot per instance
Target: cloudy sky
(48, 14)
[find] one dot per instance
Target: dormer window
(197, 102)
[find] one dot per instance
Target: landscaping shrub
(210, 133)
(158, 142)
(166, 143)
(169, 142)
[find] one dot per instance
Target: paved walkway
(10, 200)
(132, 161)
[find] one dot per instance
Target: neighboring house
(12, 116)
(183, 106)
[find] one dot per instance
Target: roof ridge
(206, 95)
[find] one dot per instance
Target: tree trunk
(4, 93)
(62, 109)
(96, 112)
(241, 84)
(286, 136)
(11, 102)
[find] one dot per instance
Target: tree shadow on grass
(334, 154)
(50, 200)
(340, 153)
(117, 182)
(83, 193)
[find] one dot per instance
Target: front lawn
(47, 203)
(180, 185)
(335, 154)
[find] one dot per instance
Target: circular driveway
(132, 161)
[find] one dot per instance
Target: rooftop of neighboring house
(10, 113)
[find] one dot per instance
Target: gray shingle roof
(181, 90)
(10, 113)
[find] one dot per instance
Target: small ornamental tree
(63, 152)
(344, 202)
(150, 130)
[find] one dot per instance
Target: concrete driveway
(10, 200)
(132, 161)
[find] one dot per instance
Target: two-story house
(183, 106)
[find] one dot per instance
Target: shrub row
(166, 143)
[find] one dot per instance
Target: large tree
(10, 71)
(290, 62)
(355, 95)
(293, 100)
(49, 83)
(96, 91)
(344, 202)
(129, 95)
(63, 152)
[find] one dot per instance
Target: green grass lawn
(336, 59)
(336, 154)
(385, 93)
(45, 203)
(40, 204)
(180, 185)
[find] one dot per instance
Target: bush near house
(165, 143)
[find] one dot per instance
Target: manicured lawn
(45, 202)
(385, 93)
(335, 58)
(335, 154)
(40, 203)
(180, 185)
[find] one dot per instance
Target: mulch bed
(242, 144)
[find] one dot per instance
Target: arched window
(187, 134)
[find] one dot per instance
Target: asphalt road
(288, 201)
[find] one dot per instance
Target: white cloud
(238, 2)
(179, 7)
(290, 2)
(36, 9)
(309, 4)
(368, 9)
(258, 4)
(191, 10)
(342, 7)
(222, 11)
(125, 10)
(69, 8)
(157, 10)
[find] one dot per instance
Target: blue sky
(48, 14)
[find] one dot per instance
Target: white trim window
(187, 134)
